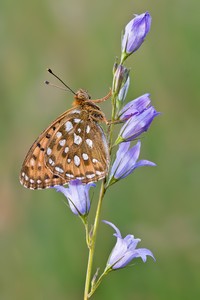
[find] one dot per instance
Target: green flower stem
(93, 289)
(93, 241)
(87, 237)
(124, 56)
(113, 99)
(110, 138)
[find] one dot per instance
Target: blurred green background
(42, 245)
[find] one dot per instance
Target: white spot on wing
(94, 160)
(31, 180)
(68, 160)
(85, 156)
(62, 142)
(99, 173)
(87, 129)
(69, 175)
(79, 130)
(51, 162)
(77, 120)
(77, 139)
(66, 149)
(58, 134)
(39, 181)
(75, 111)
(77, 160)
(90, 176)
(89, 143)
(58, 169)
(49, 151)
(26, 177)
(68, 126)
(32, 161)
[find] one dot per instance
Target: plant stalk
(93, 241)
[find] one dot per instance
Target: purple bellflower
(135, 107)
(126, 161)
(139, 116)
(125, 250)
(77, 195)
(135, 33)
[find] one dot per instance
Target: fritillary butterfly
(74, 146)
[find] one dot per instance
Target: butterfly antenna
(57, 86)
(47, 82)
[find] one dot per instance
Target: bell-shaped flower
(77, 195)
(125, 250)
(135, 107)
(135, 33)
(139, 120)
(126, 162)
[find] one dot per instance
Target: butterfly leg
(102, 99)
(114, 122)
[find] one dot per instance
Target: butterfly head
(81, 96)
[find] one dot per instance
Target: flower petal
(118, 233)
(121, 152)
(143, 253)
(126, 160)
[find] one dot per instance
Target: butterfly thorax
(89, 110)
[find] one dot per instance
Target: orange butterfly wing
(72, 147)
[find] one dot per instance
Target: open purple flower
(139, 119)
(126, 162)
(135, 33)
(77, 195)
(125, 250)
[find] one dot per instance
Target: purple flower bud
(126, 161)
(77, 195)
(135, 33)
(125, 250)
(123, 91)
(138, 122)
(120, 77)
(121, 96)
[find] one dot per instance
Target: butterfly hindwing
(72, 147)
(77, 151)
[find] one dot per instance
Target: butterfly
(74, 146)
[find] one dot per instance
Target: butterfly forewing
(72, 147)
